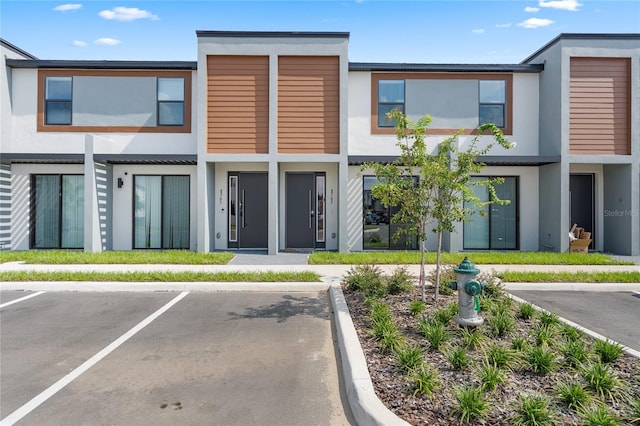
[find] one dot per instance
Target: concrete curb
(586, 331)
(366, 407)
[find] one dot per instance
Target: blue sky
(420, 31)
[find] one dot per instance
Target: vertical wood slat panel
(600, 106)
(309, 104)
(238, 104)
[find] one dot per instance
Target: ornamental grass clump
(545, 334)
(471, 404)
(527, 311)
(598, 415)
(366, 279)
(541, 360)
(602, 380)
(435, 333)
(458, 358)
(424, 380)
(472, 337)
(573, 395)
(534, 410)
(501, 323)
(499, 356)
(607, 350)
(417, 307)
(408, 357)
(575, 353)
(490, 376)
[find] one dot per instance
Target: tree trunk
(438, 265)
(422, 277)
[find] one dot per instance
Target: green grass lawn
(570, 277)
(479, 258)
(174, 257)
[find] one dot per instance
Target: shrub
(598, 416)
(493, 289)
(417, 307)
(400, 281)
(544, 334)
(435, 333)
(541, 360)
(499, 356)
(501, 323)
(527, 311)
(534, 410)
(572, 395)
(409, 357)
(447, 275)
(366, 279)
(607, 351)
(471, 404)
(601, 380)
(472, 337)
(424, 380)
(458, 358)
(575, 353)
(490, 376)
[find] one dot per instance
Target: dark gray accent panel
(617, 211)
(581, 190)
(253, 226)
(300, 205)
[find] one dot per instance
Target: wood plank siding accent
(308, 105)
(238, 104)
(600, 106)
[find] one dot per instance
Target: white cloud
(535, 23)
(127, 14)
(106, 41)
(507, 25)
(67, 7)
(531, 9)
(478, 31)
(79, 43)
(571, 5)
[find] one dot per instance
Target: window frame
(160, 102)
(48, 101)
(481, 104)
(394, 105)
(32, 211)
(517, 216)
(162, 201)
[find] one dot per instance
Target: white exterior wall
(123, 200)
(25, 138)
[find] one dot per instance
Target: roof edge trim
(273, 34)
(16, 49)
(83, 64)
(581, 36)
(470, 68)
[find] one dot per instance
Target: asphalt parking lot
(615, 315)
(167, 358)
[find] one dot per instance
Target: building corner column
(92, 239)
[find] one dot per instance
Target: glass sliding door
(72, 211)
(161, 212)
(495, 227)
(57, 211)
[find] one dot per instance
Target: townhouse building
(259, 144)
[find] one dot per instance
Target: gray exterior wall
(114, 101)
(552, 227)
(618, 212)
(452, 104)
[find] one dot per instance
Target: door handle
(310, 211)
(242, 216)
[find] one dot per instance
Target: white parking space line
(22, 299)
(60, 384)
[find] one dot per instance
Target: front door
(305, 210)
(248, 206)
(581, 190)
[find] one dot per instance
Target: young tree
(443, 194)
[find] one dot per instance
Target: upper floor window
(492, 102)
(390, 97)
(58, 100)
(170, 101)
